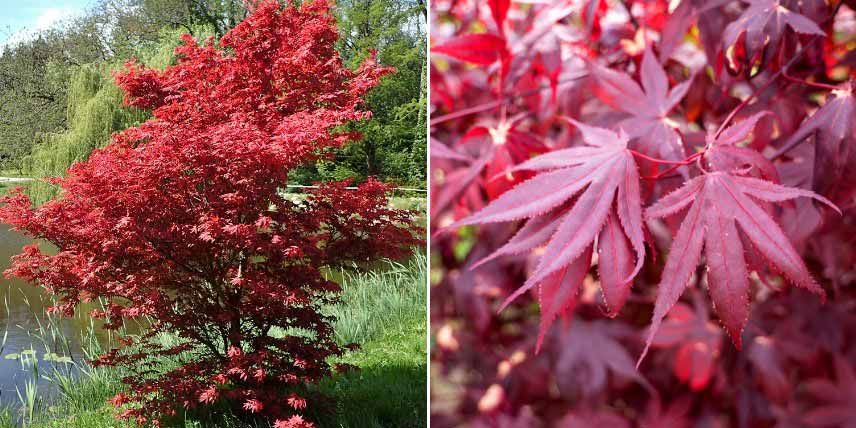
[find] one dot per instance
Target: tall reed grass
(54, 379)
(382, 301)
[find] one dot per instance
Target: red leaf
(674, 416)
(499, 10)
(720, 202)
(557, 294)
(440, 150)
(834, 126)
(605, 173)
(534, 233)
(697, 343)
(763, 24)
(648, 106)
(587, 352)
(615, 264)
(676, 27)
(480, 49)
(768, 361)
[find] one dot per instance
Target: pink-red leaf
(728, 280)
(533, 234)
(589, 350)
(480, 49)
(618, 90)
(615, 264)
(683, 257)
(558, 293)
(604, 172)
(696, 341)
(719, 201)
(834, 127)
(499, 10)
(839, 397)
(648, 106)
(737, 132)
(655, 83)
(763, 24)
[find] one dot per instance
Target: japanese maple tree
(685, 168)
(181, 220)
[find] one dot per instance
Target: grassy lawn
(385, 311)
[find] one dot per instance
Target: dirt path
(15, 179)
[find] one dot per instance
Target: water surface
(33, 345)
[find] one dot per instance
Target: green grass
(7, 420)
(385, 311)
(11, 172)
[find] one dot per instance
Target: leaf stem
(686, 161)
(664, 174)
(754, 94)
(807, 83)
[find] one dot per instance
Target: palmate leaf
(763, 24)
(720, 203)
(588, 353)
(604, 175)
(834, 127)
(724, 154)
(648, 105)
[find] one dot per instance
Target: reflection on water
(28, 337)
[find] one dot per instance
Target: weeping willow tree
(94, 113)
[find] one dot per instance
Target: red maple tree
(684, 168)
(181, 220)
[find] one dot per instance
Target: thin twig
(493, 104)
(630, 14)
(810, 84)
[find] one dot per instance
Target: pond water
(33, 345)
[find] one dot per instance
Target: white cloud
(51, 16)
(48, 18)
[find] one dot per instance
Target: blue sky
(18, 18)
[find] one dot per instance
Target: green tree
(94, 112)
(30, 102)
(37, 109)
(34, 77)
(394, 143)
(136, 24)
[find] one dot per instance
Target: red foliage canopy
(570, 134)
(180, 219)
